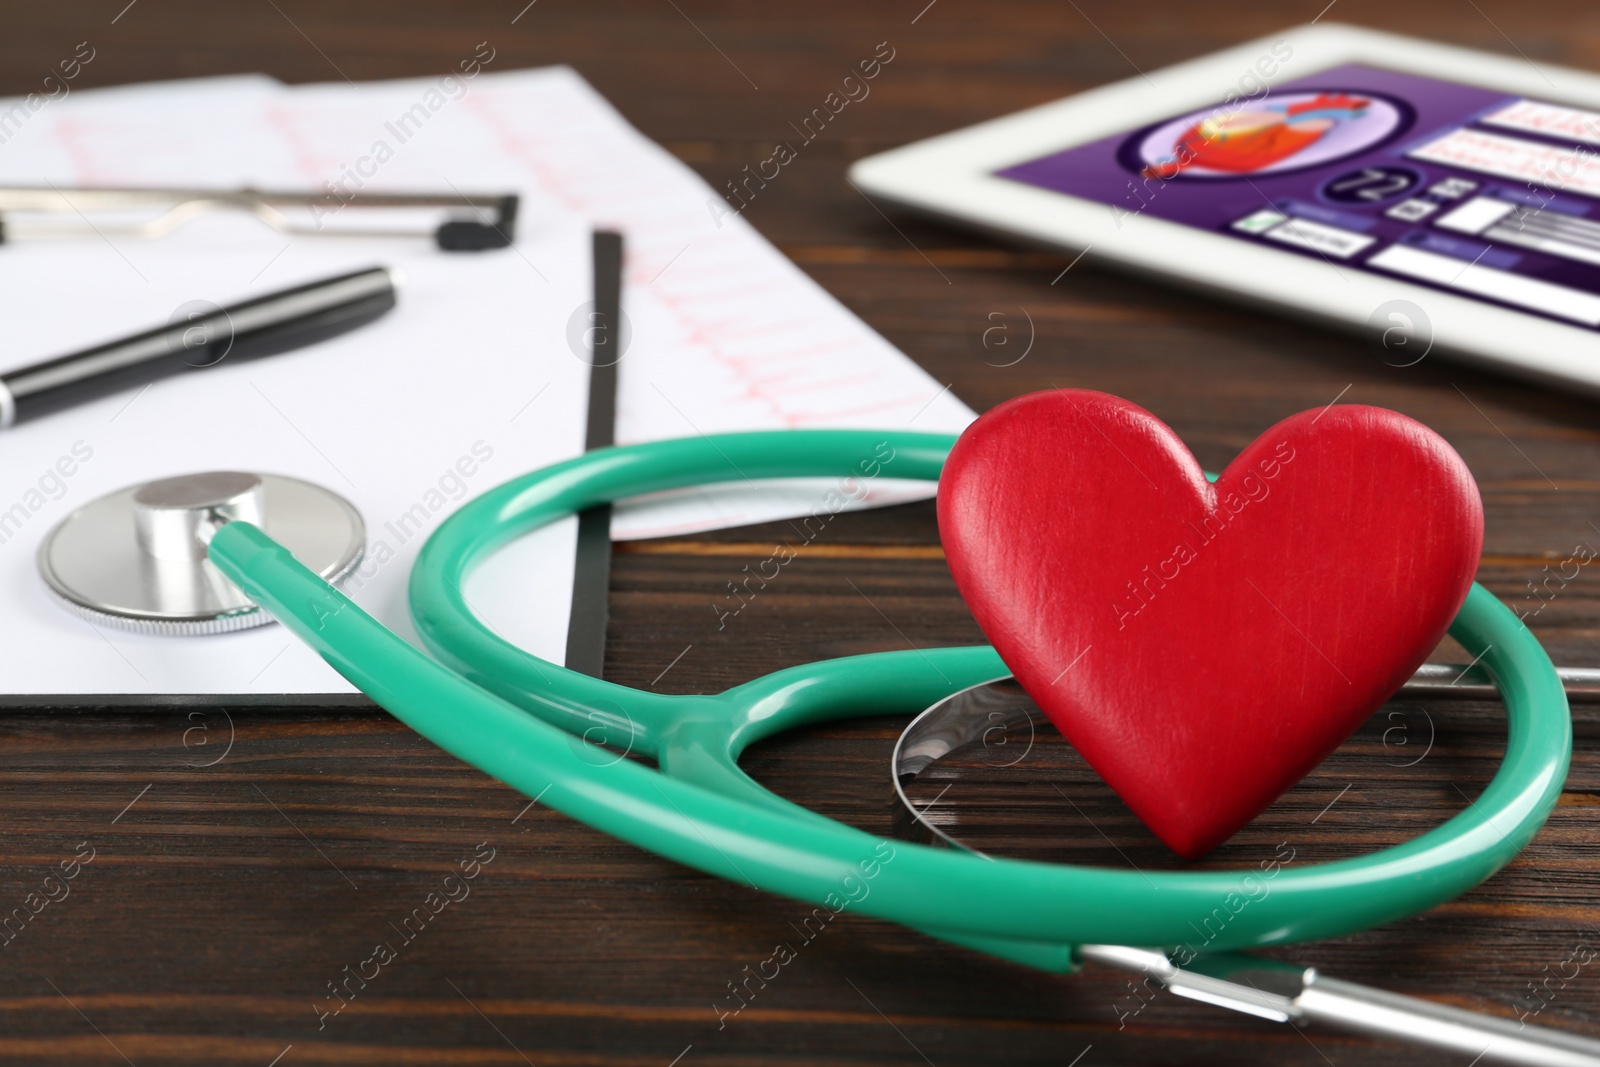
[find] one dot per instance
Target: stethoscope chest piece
(136, 559)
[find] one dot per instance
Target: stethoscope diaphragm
(136, 559)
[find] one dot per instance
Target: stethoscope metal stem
(1450, 681)
(1300, 995)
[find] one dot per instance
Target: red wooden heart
(1205, 646)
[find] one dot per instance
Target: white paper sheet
(476, 362)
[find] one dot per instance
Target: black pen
(263, 326)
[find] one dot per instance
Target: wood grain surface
(240, 865)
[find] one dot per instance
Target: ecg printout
(476, 370)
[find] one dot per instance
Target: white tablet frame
(952, 177)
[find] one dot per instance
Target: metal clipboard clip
(456, 222)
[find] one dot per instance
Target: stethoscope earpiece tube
(700, 809)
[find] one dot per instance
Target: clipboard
(545, 135)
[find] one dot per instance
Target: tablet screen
(1454, 186)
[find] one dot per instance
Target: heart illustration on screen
(1251, 140)
(1205, 645)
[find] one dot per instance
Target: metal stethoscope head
(136, 559)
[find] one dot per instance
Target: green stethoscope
(531, 724)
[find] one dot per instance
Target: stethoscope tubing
(1023, 910)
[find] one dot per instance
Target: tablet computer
(1436, 198)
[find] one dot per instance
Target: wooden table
(223, 899)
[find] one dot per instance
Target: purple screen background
(1097, 171)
